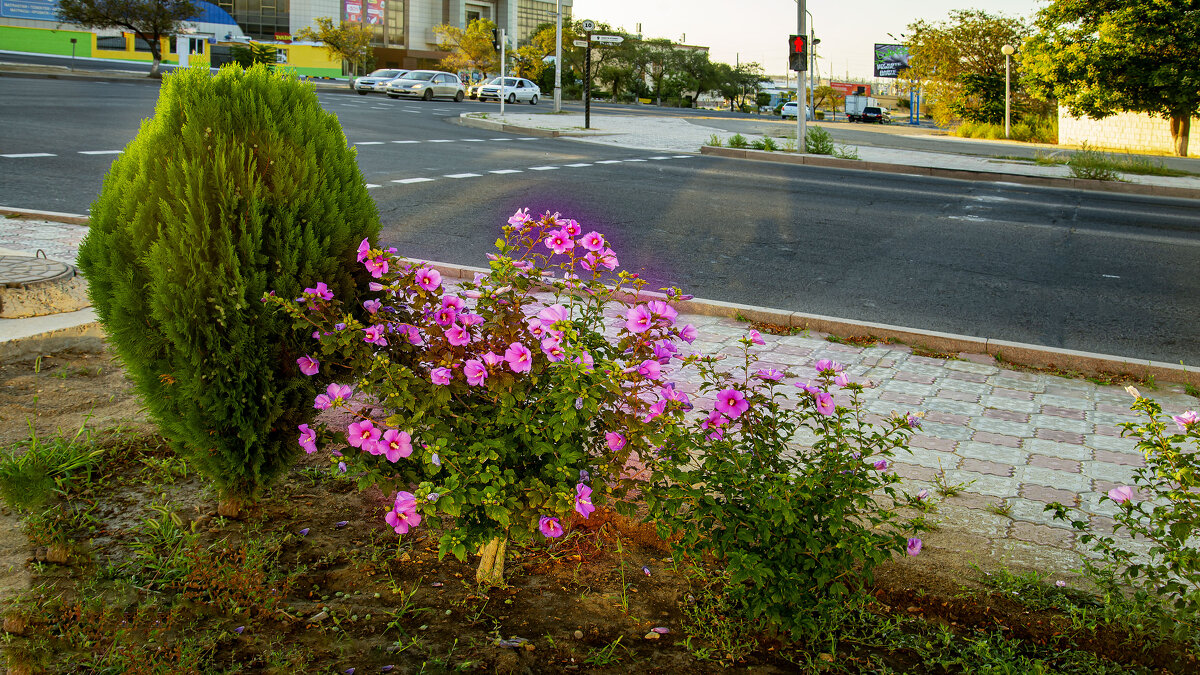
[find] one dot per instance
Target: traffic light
(496, 39)
(798, 52)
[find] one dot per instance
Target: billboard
(41, 10)
(848, 88)
(890, 60)
(354, 11)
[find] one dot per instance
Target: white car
(789, 110)
(376, 81)
(511, 89)
(427, 85)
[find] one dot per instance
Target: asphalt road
(1090, 271)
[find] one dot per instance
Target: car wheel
(391, 95)
(362, 93)
(533, 101)
(428, 95)
(512, 98)
(459, 97)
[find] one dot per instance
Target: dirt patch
(312, 580)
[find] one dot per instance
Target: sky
(757, 30)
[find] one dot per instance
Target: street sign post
(612, 39)
(588, 25)
(580, 43)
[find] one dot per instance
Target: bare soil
(318, 583)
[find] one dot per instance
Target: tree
(149, 20)
(1102, 56)
(738, 83)
(250, 54)
(348, 41)
(826, 95)
(690, 70)
(470, 50)
(945, 55)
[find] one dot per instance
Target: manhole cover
(16, 271)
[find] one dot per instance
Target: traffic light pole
(801, 98)
(558, 59)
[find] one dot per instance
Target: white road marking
(542, 168)
(472, 140)
(23, 155)
(415, 112)
(580, 164)
(609, 161)
(501, 139)
(369, 143)
(528, 138)
(440, 140)
(1110, 276)
(406, 181)
(372, 185)
(463, 175)
(660, 158)
(681, 156)
(100, 152)
(506, 171)
(637, 160)
(406, 141)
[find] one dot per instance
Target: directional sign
(588, 24)
(614, 39)
(580, 43)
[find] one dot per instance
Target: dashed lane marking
(406, 141)
(23, 155)
(579, 164)
(542, 168)
(440, 140)
(406, 181)
(369, 143)
(463, 175)
(100, 152)
(609, 161)
(502, 171)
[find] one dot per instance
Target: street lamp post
(1007, 50)
(801, 99)
(558, 59)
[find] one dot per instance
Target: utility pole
(558, 59)
(503, 39)
(801, 99)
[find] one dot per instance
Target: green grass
(1037, 130)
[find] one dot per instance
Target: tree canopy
(1099, 57)
(347, 40)
(470, 49)
(958, 60)
(149, 20)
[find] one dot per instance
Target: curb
(76, 330)
(1004, 351)
(477, 123)
(960, 174)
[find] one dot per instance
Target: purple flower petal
(239, 629)
(341, 523)
(661, 630)
(304, 532)
(646, 570)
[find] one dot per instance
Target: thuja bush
(1162, 509)
(505, 410)
(239, 184)
(791, 493)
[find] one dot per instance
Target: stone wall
(1129, 132)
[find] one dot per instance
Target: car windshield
(422, 75)
(387, 73)
(871, 111)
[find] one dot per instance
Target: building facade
(402, 30)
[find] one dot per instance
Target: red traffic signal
(798, 52)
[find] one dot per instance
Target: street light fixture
(1007, 50)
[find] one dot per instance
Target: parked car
(376, 81)
(427, 85)
(511, 89)
(790, 109)
(873, 113)
(474, 87)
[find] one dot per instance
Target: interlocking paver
(992, 453)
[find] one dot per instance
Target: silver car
(427, 85)
(511, 89)
(376, 81)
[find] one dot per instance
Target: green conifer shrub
(240, 184)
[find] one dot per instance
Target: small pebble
(319, 616)
(652, 635)
(578, 635)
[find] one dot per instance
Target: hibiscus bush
(790, 492)
(1161, 508)
(509, 403)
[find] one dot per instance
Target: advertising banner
(890, 60)
(354, 11)
(43, 10)
(849, 88)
